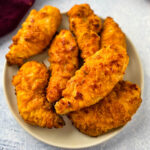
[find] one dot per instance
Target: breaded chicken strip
(30, 83)
(86, 26)
(114, 111)
(35, 34)
(63, 57)
(95, 79)
(112, 34)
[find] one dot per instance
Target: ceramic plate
(68, 136)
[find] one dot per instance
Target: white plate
(68, 136)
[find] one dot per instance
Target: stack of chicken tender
(94, 97)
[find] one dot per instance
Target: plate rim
(61, 145)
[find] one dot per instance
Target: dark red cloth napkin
(11, 12)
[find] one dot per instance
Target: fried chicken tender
(35, 34)
(95, 79)
(30, 83)
(114, 111)
(112, 34)
(63, 57)
(86, 26)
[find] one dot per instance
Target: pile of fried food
(94, 97)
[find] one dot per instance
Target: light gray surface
(134, 18)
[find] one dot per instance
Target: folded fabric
(11, 12)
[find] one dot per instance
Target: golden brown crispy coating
(30, 83)
(86, 26)
(35, 34)
(63, 57)
(95, 79)
(114, 111)
(112, 34)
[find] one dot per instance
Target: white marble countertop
(134, 18)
